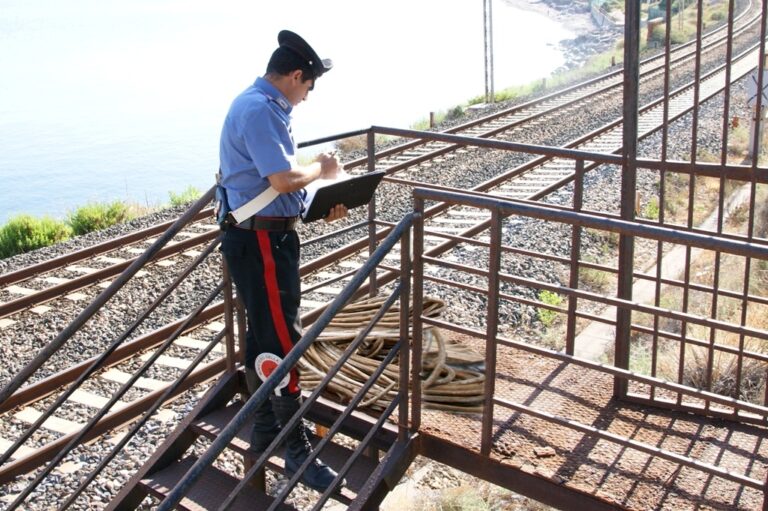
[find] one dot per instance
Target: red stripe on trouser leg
(275, 306)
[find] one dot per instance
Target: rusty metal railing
(501, 285)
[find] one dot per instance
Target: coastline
(578, 21)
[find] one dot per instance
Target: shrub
(352, 144)
(594, 279)
(23, 233)
(652, 210)
(454, 113)
(548, 316)
(96, 216)
(189, 194)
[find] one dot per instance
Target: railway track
(27, 295)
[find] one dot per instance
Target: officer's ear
(297, 75)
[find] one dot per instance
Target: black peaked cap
(298, 45)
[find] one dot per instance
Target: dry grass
(707, 367)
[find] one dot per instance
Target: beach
(572, 16)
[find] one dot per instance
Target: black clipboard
(352, 192)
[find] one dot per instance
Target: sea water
(105, 100)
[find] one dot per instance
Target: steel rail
(29, 394)
(83, 254)
(58, 290)
(104, 410)
(100, 361)
(168, 392)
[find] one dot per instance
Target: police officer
(257, 152)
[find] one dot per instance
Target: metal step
(334, 455)
(210, 490)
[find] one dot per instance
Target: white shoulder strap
(255, 205)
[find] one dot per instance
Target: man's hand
(336, 212)
(293, 180)
(329, 165)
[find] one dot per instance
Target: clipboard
(352, 192)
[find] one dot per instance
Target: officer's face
(299, 89)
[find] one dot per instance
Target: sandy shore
(578, 23)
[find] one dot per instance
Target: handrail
(581, 219)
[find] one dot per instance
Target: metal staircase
(367, 477)
(180, 477)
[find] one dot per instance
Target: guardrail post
(418, 302)
(405, 337)
(492, 327)
(628, 187)
(371, 140)
(578, 195)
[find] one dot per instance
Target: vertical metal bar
(721, 198)
(418, 310)
(228, 319)
(628, 186)
(691, 206)
(373, 281)
(662, 193)
(753, 188)
(691, 193)
(578, 196)
(492, 323)
(759, 104)
(405, 331)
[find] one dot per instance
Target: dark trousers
(265, 268)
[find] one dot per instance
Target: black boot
(265, 425)
(297, 447)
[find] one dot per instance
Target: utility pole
(488, 40)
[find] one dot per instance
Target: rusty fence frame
(501, 209)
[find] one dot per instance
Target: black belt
(269, 223)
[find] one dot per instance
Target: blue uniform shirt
(256, 142)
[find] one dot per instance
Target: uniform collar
(273, 94)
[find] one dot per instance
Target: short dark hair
(284, 61)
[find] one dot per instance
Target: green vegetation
(96, 216)
(548, 316)
(189, 194)
(594, 279)
(651, 210)
(520, 91)
(358, 143)
(23, 233)
(456, 112)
